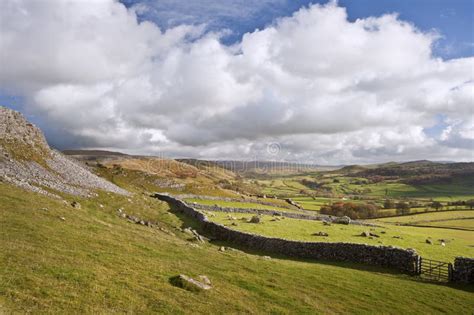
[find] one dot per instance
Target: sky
(324, 82)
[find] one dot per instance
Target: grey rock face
(49, 168)
(13, 126)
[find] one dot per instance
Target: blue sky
(452, 19)
(327, 89)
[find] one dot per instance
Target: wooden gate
(434, 270)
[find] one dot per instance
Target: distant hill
(350, 169)
(27, 161)
(417, 172)
(271, 167)
(93, 152)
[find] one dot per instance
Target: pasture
(458, 243)
(93, 261)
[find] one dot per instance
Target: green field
(458, 243)
(441, 215)
(96, 262)
(291, 186)
(462, 224)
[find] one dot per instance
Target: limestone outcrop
(27, 161)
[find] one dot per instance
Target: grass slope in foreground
(96, 262)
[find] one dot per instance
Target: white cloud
(329, 90)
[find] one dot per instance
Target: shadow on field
(190, 222)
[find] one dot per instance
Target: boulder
(321, 234)
(255, 219)
(428, 241)
(365, 234)
(188, 231)
(190, 284)
(76, 205)
(342, 220)
(204, 279)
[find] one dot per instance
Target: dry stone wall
(384, 256)
(243, 199)
(463, 270)
(307, 215)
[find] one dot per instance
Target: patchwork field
(442, 215)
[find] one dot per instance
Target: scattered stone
(234, 224)
(44, 209)
(255, 219)
(365, 234)
(195, 235)
(443, 244)
(204, 279)
(190, 284)
(62, 218)
(428, 241)
(383, 232)
(267, 257)
(101, 206)
(326, 223)
(222, 249)
(76, 205)
(342, 220)
(188, 231)
(321, 234)
(398, 237)
(374, 235)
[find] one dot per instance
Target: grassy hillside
(95, 262)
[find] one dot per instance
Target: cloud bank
(326, 89)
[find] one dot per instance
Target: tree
(436, 205)
(402, 208)
(470, 203)
(388, 204)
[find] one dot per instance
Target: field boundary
(292, 215)
(403, 260)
